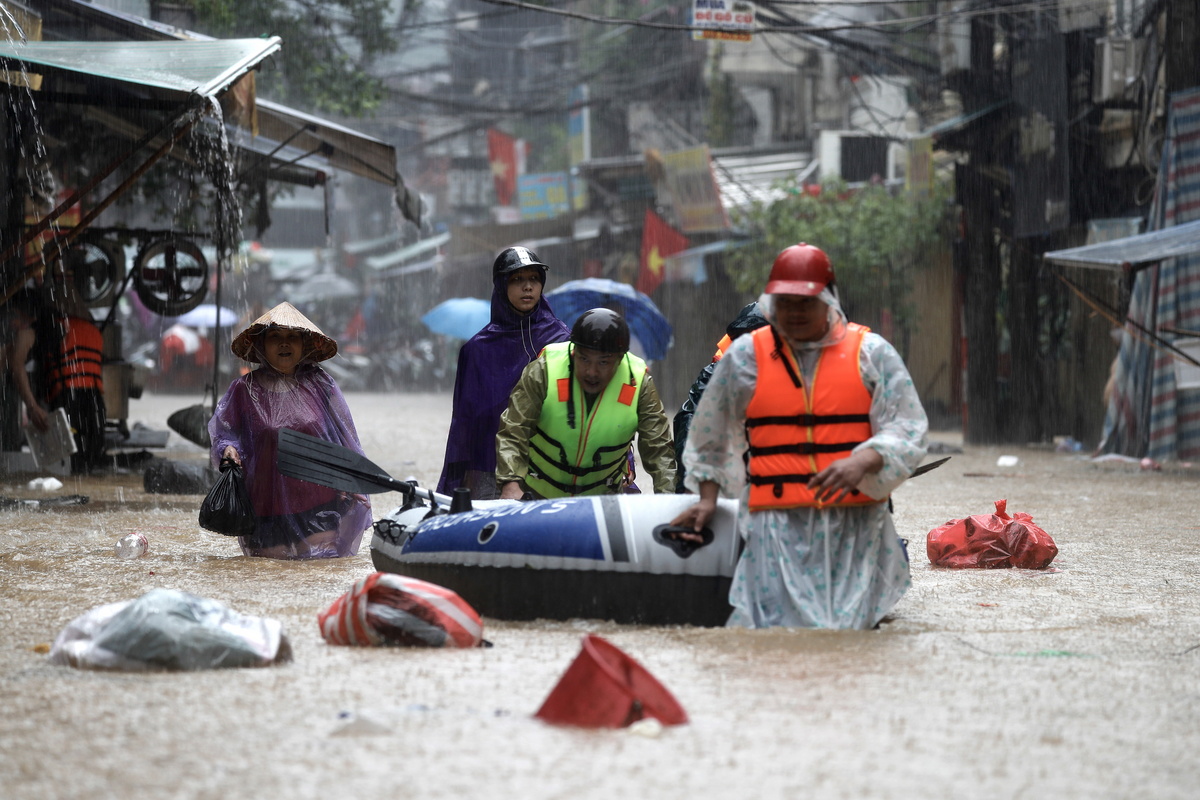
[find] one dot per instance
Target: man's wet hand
(511, 491)
(695, 517)
(843, 476)
(38, 418)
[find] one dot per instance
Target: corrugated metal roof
(1133, 252)
(741, 177)
(745, 179)
(397, 258)
(176, 68)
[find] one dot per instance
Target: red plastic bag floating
(388, 609)
(991, 541)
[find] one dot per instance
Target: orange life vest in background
(722, 346)
(796, 431)
(78, 364)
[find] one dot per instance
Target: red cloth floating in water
(991, 541)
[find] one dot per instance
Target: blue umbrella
(646, 323)
(458, 317)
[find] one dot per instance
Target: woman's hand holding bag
(227, 508)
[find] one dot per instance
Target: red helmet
(800, 269)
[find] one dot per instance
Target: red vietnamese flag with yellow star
(659, 240)
(503, 159)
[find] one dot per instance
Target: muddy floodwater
(1082, 682)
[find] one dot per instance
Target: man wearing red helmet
(828, 421)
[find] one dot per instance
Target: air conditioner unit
(1117, 65)
(1076, 15)
(853, 157)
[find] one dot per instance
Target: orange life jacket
(722, 346)
(796, 431)
(78, 364)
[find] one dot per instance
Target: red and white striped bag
(388, 609)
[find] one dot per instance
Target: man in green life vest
(574, 413)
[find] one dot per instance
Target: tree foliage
(328, 47)
(875, 238)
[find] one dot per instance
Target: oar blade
(932, 465)
(294, 467)
(318, 461)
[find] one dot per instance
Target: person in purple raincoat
(296, 519)
(489, 366)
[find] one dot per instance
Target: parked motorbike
(400, 366)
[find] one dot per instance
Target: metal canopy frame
(1132, 253)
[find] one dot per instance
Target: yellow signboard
(698, 205)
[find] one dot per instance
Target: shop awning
(402, 257)
(169, 63)
(299, 148)
(1133, 253)
(324, 142)
(258, 154)
(172, 70)
(342, 147)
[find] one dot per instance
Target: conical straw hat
(317, 345)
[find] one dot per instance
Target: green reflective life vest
(588, 458)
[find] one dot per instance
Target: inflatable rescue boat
(612, 557)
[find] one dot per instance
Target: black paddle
(318, 461)
(931, 465)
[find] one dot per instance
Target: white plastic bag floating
(170, 630)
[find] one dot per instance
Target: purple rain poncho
(488, 368)
(290, 511)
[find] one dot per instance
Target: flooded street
(1079, 683)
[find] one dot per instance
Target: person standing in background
(68, 349)
(489, 365)
(748, 319)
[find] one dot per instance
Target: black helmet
(512, 259)
(603, 330)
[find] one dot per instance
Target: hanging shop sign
(544, 195)
(697, 199)
(723, 20)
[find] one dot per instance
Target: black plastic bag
(227, 508)
(192, 424)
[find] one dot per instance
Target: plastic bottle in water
(132, 545)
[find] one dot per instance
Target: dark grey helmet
(512, 259)
(603, 330)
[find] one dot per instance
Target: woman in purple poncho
(296, 519)
(489, 366)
